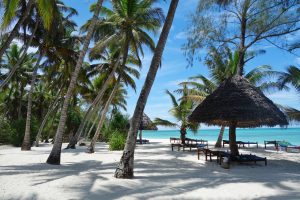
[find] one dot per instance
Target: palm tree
(46, 12)
(19, 80)
(54, 157)
(125, 166)
(222, 65)
(128, 22)
(181, 110)
(21, 10)
(291, 77)
(26, 145)
(45, 41)
(124, 77)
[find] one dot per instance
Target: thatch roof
(236, 100)
(146, 123)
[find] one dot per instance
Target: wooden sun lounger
(194, 143)
(189, 143)
(274, 142)
(208, 153)
(138, 141)
(241, 143)
(248, 158)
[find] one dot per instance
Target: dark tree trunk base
(71, 146)
(72, 143)
(218, 145)
(53, 159)
(90, 150)
(124, 170)
(25, 147)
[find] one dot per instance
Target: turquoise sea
(253, 135)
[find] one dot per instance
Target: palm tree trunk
(15, 30)
(91, 128)
(125, 166)
(54, 157)
(182, 135)
(50, 110)
(20, 103)
(232, 140)
(220, 137)
(26, 145)
(89, 112)
(241, 50)
(16, 66)
(91, 148)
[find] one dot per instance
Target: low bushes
(117, 141)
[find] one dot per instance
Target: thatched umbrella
(237, 103)
(145, 124)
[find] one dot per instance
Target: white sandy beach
(159, 174)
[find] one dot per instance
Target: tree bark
(16, 66)
(16, 28)
(220, 137)
(242, 50)
(26, 145)
(125, 166)
(182, 135)
(74, 140)
(91, 148)
(50, 110)
(232, 140)
(141, 136)
(54, 157)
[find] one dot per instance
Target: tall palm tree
(125, 166)
(45, 41)
(54, 157)
(26, 145)
(128, 22)
(124, 77)
(21, 10)
(222, 65)
(181, 110)
(17, 85)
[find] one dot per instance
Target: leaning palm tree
(44, 39)
(125, 166)
(54, 157)
(223, 65)
(180, 111)
(125, 76)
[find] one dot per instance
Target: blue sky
(174, 65)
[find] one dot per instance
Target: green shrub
(117, 141)
(17, 136)
(5, 130)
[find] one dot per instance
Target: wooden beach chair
(273, 142)
(144, 141)
(175, 142)
(288, 146)
(241, 143)
(194, 143)
(248, 158)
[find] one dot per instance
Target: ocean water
(259, 135)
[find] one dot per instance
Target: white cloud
(181, 35)
(175, 82)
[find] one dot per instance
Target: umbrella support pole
(232, 139)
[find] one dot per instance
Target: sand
(159, 174)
